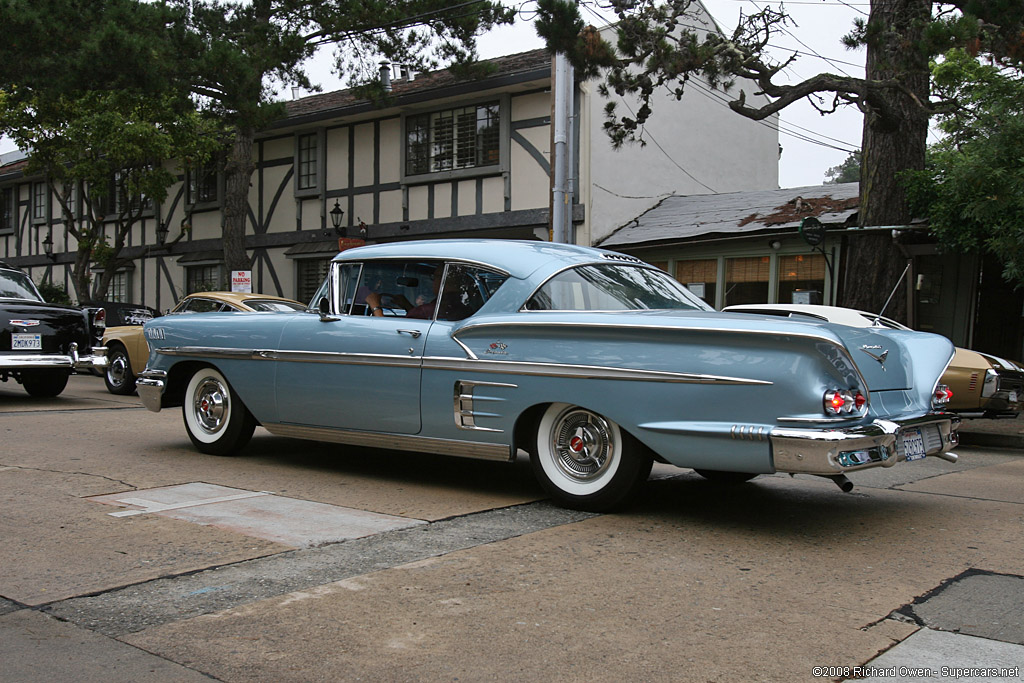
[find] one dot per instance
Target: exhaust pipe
(841, 481)
(948, 457)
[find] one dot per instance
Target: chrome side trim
(401, 442)
(820, 420)
(465, 410)
(579, 371)
(469, 351)
(327, 357)
(463, 365)
(631, 326)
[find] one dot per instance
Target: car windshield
(15, 285)
(613, 287)
(273, 305)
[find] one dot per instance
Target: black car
(42, 343)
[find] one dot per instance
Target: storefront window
(801, 279)
(746, 280)
(700, 277)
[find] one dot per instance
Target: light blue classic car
(594, 362)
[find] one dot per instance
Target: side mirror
(324, 308)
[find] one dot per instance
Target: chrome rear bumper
(95, 360)
(830, 451)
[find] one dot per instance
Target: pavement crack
(25, 468)
(137, 607)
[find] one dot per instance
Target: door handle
(415, 334)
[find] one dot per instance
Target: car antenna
(893, 293)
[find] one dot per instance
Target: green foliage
(54, 294)
(846, 172)
(972, 191)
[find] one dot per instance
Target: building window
(311, 273)
(7, 212)
(118, 289)
(466, 137)
(125, 200)
(746, 280)
(208, 278)
(802, 279)
(39, 197)
(307, 177)
(202, 185)
(700, 277)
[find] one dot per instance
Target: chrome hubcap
(118, 370)
(582, 444)
(210, 405)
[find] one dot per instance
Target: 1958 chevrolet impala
(594, 362)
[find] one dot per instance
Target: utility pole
(561, 194)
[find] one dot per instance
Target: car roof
(239, 298)
(518, 258)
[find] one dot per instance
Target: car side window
(466, 288)
(404, 288)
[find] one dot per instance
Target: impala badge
(25, 323)
(880, 357)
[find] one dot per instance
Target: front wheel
(218, 423)
(585, 461)
(119, 377)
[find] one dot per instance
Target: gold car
(984, 385)
(127, 349)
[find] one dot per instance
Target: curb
(989, 440)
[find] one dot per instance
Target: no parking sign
(241, 281)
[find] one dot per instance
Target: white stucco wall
(695, 145)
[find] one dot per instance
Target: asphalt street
(127, 556)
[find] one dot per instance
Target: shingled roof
(521, 66)
(680, 218)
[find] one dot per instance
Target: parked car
(120, 313)
(126, 345)
(595, 362)
(42, 343)
(982, 385)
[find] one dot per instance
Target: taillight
(845, 401)
(99, 318)
(942, 395)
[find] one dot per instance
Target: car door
(351, 369)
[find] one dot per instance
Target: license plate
(913, 444)
(1013, 397)
(26, 342)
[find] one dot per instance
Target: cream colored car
(127, 349)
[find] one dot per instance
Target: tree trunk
(894, 140)
(237, 178)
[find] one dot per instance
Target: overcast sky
(811, 143)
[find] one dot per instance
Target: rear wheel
(585, 461)
(218, 423)
(44, 383)
(119, 377)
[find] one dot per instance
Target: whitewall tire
(218, 423)
(585, 461)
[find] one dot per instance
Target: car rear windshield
(15, 285)
(613, 287)
(273, 305)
